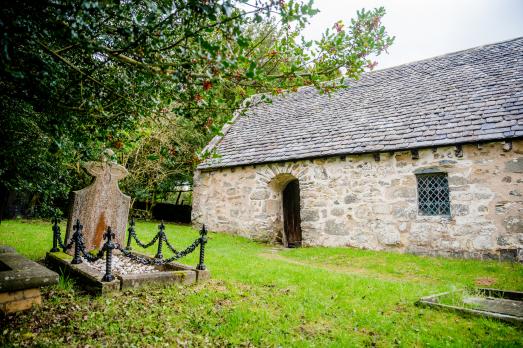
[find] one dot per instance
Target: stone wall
(19, 300)
(368, 202)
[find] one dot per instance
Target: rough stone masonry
(359, 153)
(360, 202)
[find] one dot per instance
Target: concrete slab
(18, 272)
(20, 281)
(493, 303)
(88, 278)
(496, 305)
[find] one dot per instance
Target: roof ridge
(444, 55)
(375, 72)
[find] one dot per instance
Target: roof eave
(362, 152)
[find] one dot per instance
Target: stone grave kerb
(100, 204)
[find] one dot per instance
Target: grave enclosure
(114, 268)
(92, 251)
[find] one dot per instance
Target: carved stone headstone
(100, 204)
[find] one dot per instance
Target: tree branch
(75, 68)
(192, 34)
(66, 48)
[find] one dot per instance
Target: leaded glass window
(433, 194)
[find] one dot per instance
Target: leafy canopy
(77, 76)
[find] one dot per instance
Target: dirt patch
(354, 271)
(486, 281)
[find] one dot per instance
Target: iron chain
(145, 246)
(77, 240)
(169, 244)
(158, 262)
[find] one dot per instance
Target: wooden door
(291, 214)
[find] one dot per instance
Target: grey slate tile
(468, 96)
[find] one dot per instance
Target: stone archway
(285, 206)
(286, 210)
(274, 178)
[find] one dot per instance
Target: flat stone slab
(493, 303)
(91, 279)
(496, 305)
(18, 272)
(6, 249)
(169, 277)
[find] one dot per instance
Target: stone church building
(425, 157)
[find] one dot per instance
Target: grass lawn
(261, 295)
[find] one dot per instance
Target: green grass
(458, 298)
(260, 295)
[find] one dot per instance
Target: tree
(161, 159)
(79, 76)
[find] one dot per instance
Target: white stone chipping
(122, 266)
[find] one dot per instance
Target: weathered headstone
(101, 204)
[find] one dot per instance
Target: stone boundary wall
(368, 202)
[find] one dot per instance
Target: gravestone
(100, 204)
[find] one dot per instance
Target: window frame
(420, 204)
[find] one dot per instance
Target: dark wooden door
(291, 214)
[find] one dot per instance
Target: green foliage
(262, 295)
(161, 158)
(76, 77)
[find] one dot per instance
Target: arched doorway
(291, 214)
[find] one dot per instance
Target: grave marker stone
(100, 204)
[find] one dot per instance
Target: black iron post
(203, 241)
(130, 236)
(56, 235)
(77, 237)
(108, 246)
(161, 236)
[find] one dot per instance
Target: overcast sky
(427, 28)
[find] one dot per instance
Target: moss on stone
(63, 256)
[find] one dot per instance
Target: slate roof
(463, 97)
